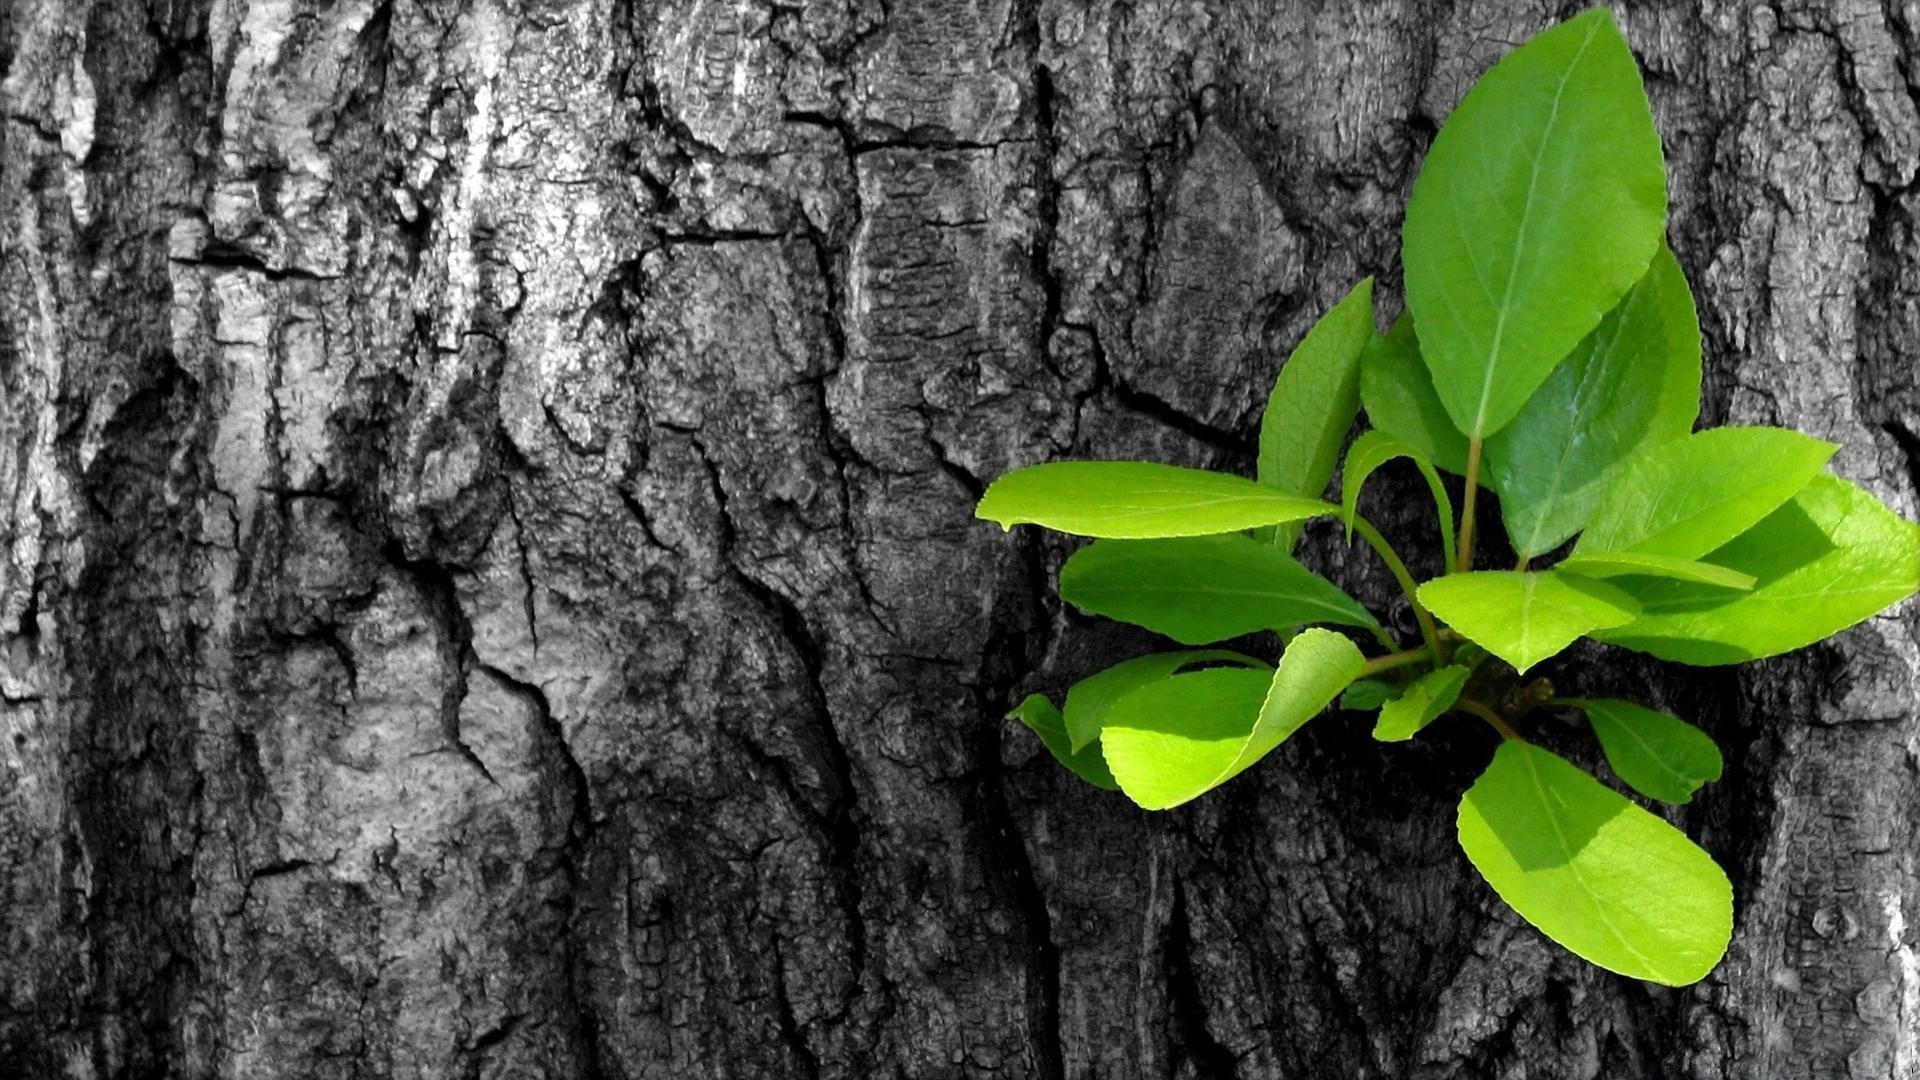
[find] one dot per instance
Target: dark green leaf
(1400, 400)
(1658, 755)
(1044, 720)
(1541, 201)
(1314, 402)
(1633, 383)
(1202, 589)
(1090, 699)
(1686, 497)
(1367, 695)
(1606, 879)
(1138, 500)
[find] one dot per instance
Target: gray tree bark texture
(490, 587)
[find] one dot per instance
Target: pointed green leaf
(1425, 699)
(1684, 498)
(1202, 589)
(1542, 200)
(1374, 449)
(1138, 500)
(1171, 741)
(1400, 400)
(1525, 617)
(1633, 383)
(1314, 402)
(1367, 695)
(1634, 564)
(1828, 559)
(1044, 720)
(1657, 754)
(1090, 699)
(1611, 882)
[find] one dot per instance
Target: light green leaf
(1367, 694)
(1314, 402)
(1044, 720)
(1400, 400)
(1684, 498)
(1171, 741)
(1090, 699)
(1542, 200)
(1658, 755)
(1134, 500)
(1633, 383)
(1525, 617)
(1828, 559)
(1425, 699)
(1374, 449)
(1636, 564)
(1201, 589)
(1611, 882)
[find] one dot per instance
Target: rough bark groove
(490, 587)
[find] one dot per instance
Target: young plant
(1550, 353)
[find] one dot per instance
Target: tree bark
(490, 586)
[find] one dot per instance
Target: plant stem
(1499, 723)
(1464, 549)
(1399, 570)
(1393, 660)
(1522, 564)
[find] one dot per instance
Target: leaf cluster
(1550, 355)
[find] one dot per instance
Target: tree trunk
(490, 587)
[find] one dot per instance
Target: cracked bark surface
(490, 587)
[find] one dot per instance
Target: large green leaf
(1525, 617)
(1632, 383)
(1314, 402)
(1044, 720)
(1090, 699)
(1606, 879)
(1202, 589)
(1686, 497)
(1171, 741)
(1424, 700)
(1828, 559)
(1132, 500)
(1658, 755)
(1634, 564)
(1374, 449)
(1400, 400)
(1542, 200)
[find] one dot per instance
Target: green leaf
(1633, 383)
(1374, 449)
(1171, 741)
(1091, 699)
(1684, 498)
(1424, 700)
(1611, 882)
(1400, 400)
(1658, 755)
(1828, 559)
(1366, 695)
(1201, 589)
(1045, 721)
(1314, 402)
(1635, 564)
(1133, 500)
(1542, 200)
(1525, 617)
